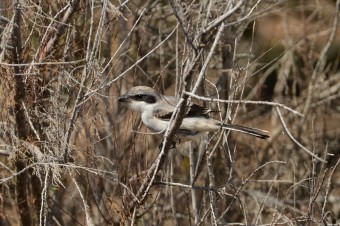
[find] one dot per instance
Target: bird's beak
(123, 99)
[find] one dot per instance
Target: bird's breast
(153, 123)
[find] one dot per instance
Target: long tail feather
(247, 130)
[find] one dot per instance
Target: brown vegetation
(71, 155)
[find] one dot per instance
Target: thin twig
(294, 140)
(92, 92)
(43, 205)
(245, 182)
(244, 102)
(329, 182)
(220, 19)
(59, 29)
(89, 221)
(207, 61)
(320, 65)
(29, 121)
(122, 43)
(193, 163)
(42, 63)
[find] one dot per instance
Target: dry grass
(70, 154)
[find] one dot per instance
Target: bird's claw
(173, 145)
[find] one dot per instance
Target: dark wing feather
(198, 111)
(162, 115)
(193, 111)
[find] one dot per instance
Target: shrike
(156, 111)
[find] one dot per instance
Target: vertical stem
(172, 195)
(22, 129)
(212, 195)
(192, 178)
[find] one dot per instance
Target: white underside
(192, 124)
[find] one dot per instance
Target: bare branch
(220, 19)
(56, 32)
(294, 140)
(244, 102)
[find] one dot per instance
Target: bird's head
(140, 97)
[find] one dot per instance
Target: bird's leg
(160, 146)
(173, 145)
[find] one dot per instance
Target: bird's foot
(173, 145)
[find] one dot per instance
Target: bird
(156, 111)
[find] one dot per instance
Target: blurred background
(71, 154)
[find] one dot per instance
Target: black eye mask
(146, 98)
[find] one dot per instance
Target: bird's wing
(165, 111)
(196, 110)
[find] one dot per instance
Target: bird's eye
(139, 97)
(146, 98)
